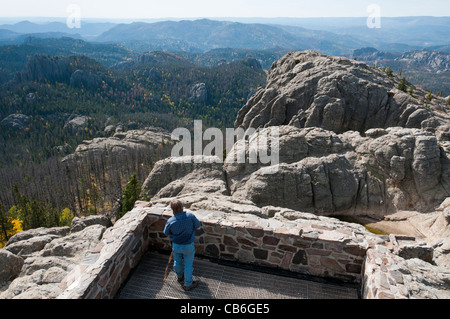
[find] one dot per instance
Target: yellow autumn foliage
(17, 228)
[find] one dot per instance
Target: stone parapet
(108, 265)
(323, 247)
(383, 278)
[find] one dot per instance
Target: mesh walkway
(218, 281)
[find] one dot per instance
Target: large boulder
(44, 67)
(183, 175)
(79, 224)
(10, 265)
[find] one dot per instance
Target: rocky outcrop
(34, 262)
(11, 265)
(431, 61)
(81, 78)
(198, 93)
(76, 122)
(16, 121)
(252, 63)
(43, 67)
(390, 267)
(389, 276)
(122, 143)
(308, 89)
(378, 174)
(182, 175)
(77, 71)
(423, 60)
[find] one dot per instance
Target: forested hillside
(56, 94)
(52, 90)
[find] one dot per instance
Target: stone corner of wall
(103, 270)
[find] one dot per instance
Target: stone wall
(108, 265)
(385, 267)
(309, 246)
(402, 268)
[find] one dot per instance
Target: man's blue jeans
(186, 252)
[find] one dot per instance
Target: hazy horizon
(197, 9)
(44, 20)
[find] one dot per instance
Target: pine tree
(389, 72)
(402, 85)
(130, 195)
(5, 226)
(429, 95)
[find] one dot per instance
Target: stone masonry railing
(108, 265)
(308, 246)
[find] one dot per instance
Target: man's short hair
(177, 206)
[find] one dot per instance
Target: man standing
(181, 228)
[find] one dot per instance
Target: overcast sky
(147, 9)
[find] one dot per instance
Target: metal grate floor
(217, 281)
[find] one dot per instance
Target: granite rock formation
(308, 89)
(320, 171)
(198, 93)
(121, 143)
(34, 262)
(16, 121)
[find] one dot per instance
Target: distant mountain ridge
(336, 36)
(204, 34)
(87, 30)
